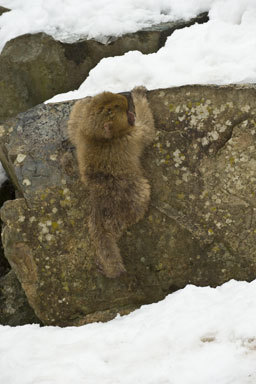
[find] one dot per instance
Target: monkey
(109, 142)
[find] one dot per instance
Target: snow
(91, 18)
(221, 51)
(194, 336)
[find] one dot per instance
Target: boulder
(200, 227)
(34, 68)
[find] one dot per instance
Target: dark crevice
(79, 51)
(76, 52)
(200, 19)
(228, 135)
(7, 192)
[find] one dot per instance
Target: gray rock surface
(34, 68)
(200, 227)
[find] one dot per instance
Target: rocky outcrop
(34, 68)
(14, 307)
(200, 227)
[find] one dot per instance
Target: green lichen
(55, 225)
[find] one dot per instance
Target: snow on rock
(196, 336)
(91, 18)
(222, 51)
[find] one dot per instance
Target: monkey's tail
(108, 258)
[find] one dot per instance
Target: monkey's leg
(108, 256)
(136, 195)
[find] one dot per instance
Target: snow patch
(69, 20)
(221, 51)
(196, 336)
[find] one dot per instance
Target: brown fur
(108, 150)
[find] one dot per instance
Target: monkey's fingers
(139, 91)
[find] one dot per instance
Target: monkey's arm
(76, 119)
(81, 156)
(144, 118)
(76, 137)
(75, 133)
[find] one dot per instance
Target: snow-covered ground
(194, 336)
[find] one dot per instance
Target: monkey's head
(109, 117)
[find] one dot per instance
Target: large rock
(200, 227)
(33, 68)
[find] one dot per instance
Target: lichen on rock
(200, 227)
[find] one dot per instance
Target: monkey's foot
(111, 267)
(67, 162)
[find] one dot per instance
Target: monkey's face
(111, 116)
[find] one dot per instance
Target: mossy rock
(200, 227)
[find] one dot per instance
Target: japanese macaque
(109, 143)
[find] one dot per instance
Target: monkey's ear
(108, 130)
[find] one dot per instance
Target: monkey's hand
(139, 91)
(144, 122)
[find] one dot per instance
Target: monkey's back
(119, 193)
